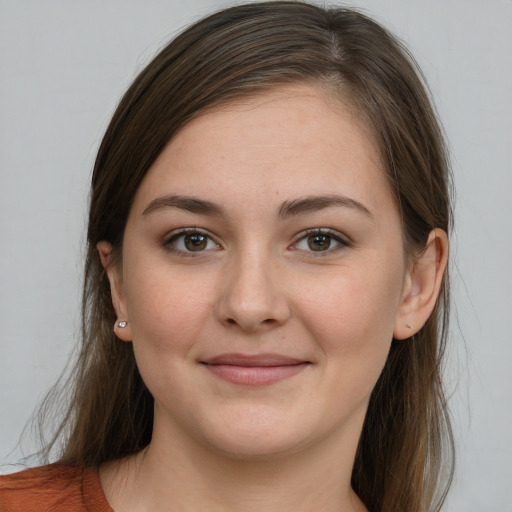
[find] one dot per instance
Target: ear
(116, 290)
(422, 285)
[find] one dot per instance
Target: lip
(254, 370)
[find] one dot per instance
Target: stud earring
(121, 324)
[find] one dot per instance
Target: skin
(259, 284)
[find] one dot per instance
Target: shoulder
(56, 487)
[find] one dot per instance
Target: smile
(259, 370)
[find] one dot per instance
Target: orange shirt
(53, 488)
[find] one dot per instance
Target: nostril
(267, 321)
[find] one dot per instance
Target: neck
(183, 477)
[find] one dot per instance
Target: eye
(320, 240)
(191, 241)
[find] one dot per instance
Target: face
(262, 276)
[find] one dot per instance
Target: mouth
(254, 370)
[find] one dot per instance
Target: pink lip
(254, 370)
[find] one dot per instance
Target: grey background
(64, 65)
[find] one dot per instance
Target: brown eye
(319, 242)
(196, 242)
(191, 241)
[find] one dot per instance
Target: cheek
(351, 316)
(167, 314)
(166, 309)
(360, 301)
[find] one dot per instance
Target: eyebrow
(288, 209)
(314, 203)
(191, 204)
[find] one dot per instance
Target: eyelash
(176, 235)
(333, 235)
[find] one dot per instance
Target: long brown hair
(404, 460)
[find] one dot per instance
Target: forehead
(288, 142)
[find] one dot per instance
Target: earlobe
(422, 286)
(121, 327)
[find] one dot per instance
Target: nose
(253, 295)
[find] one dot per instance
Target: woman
(265, 298)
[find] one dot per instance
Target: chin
(257, 434)
(256, 447)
